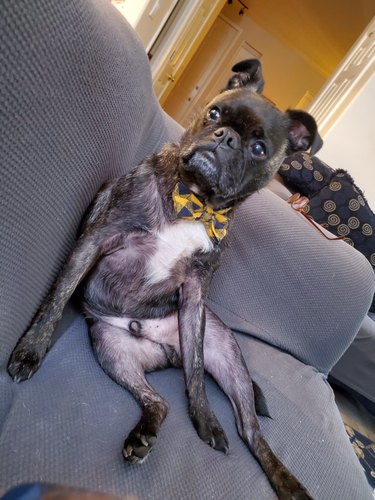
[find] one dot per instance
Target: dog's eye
(214, 114)
(258, 149)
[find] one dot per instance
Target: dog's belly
(142, 278)
(158, 330)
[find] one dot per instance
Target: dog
(144, 261)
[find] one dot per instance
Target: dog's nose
(227, 137)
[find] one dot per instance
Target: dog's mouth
(207, 171)
(200, 172)
(203, 161)
(205, 149)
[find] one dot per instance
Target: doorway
(299, 44)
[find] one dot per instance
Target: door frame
(180, 42)
(346, 82)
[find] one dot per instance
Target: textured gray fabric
(283, 282)
(356, 368)
(68, 423)
(76, 107)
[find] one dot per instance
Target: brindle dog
(145, 272)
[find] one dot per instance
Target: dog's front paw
(138, 444)
(23, 363)
(210, 431)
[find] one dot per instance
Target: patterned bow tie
(188, 206)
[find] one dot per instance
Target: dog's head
(236, 145)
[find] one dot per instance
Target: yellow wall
(288, 75)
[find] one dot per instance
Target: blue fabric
(24, 492)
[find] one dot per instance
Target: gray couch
(76, 108)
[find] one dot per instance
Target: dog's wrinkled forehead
(249, 113)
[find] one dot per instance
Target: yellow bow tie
(188, 206)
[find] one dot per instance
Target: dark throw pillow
(335, 201)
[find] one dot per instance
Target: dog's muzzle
(214, 164)
(227, 138)
(209, 162)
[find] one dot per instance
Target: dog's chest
(174, 243)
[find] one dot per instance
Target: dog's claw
(138, 445)
(23, 364)
(218, 441)
(211, 432)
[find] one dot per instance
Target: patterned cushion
(335, 201)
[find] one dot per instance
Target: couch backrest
(76, 108)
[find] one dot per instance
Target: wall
(131, 9)
(350, 143)
(288, 75)
(146, 16)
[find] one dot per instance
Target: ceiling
(321, 30)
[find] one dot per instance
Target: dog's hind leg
(126, 358)
(165, 332)
(224, 361)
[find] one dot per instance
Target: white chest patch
(175, 242)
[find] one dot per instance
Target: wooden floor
(354, 414)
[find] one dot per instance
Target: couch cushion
(68, 423)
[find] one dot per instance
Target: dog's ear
(248, 74)
(303, 132)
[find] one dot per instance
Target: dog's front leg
(33, 345)
(191, 322)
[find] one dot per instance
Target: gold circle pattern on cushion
(353, 223)
(329, 206)
(335, 186)
(334, 220)
(367, 229)
(296, 164)
(349, 241)
(308, 165)
(318, 176)
(306, 156)
(354, 205)
(372, 259)
(343, 230)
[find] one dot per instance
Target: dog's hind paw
(23, 364)
(138, 445)
(293, 490)
(211, 432)
(300, 494)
